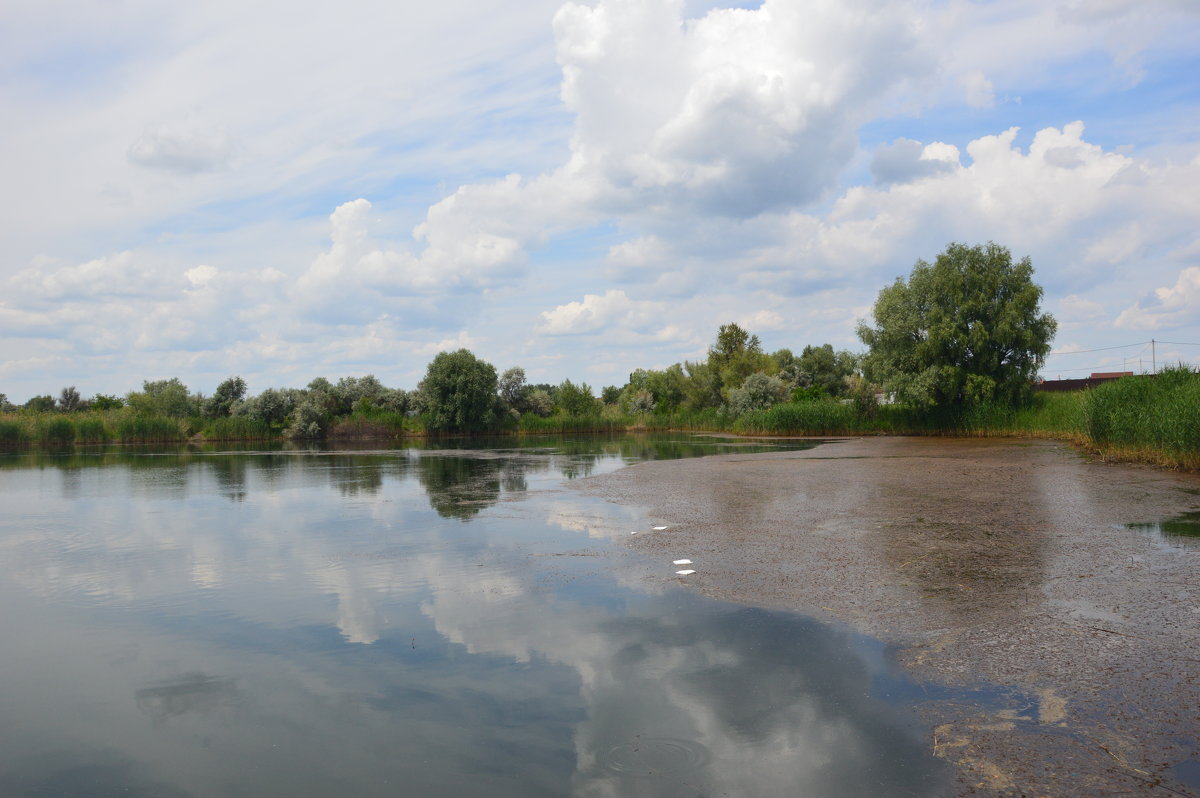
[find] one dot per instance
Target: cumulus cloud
(598, 312)
(1167, 307)
(122, 274)
(905, 160)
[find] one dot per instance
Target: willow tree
(966, 329)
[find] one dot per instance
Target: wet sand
(1006, 563)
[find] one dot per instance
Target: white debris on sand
(681, 562)
(685, 572)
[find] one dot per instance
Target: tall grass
(236, 428)
(531, 424)
(1140, 417)
(13, 433)
(148, 429)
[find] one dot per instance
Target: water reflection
(378, 619)
(1183, 531)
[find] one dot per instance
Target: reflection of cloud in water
(780, 702)
(597, 521)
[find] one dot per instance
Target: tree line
(964, 330)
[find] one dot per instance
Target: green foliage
(91, 429)
(637, 401)
(610, 394)
(823, 417)
(702, 388)
(69, 400)
(809, 394)
(532, 424)
(459, 393)
(221, 403)
(965, 330)
(1160, 412)
(757, 392)
(272, 406)
(665, 389)
(5, 405)
(576, 400)
(236, 428)
(148, 429)
(513, 391)
(309, 418)
(12, 434)
(540, 402)
(40, 404)
(56, 432)
(821, 367)
(106, 402)
(163, 398)
(735, 356)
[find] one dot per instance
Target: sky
(287, 190)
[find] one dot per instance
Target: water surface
(405, 622)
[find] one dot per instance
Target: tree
(459, 392)
(69, 400)
(576, 400)
(758, 392)
(163, 398)
(228, 393)
(964, 330)
(513, 389)
(42, 404)
(735, 356)
(821, 367)
(103, 401)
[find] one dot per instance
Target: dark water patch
(1182, 531)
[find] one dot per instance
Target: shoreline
(1002, 562)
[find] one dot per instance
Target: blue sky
(292, 190)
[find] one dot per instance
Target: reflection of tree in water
(578, 466)
(230, 472)
(192, 692)
(460, 487)
(354, 475)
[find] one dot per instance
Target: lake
(451, 621)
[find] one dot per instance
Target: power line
(1178, 343)
(1106, 348)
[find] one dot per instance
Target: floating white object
(658, 528)
(682, 562)
(685, 572)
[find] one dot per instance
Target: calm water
(403, 622)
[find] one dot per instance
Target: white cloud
(906, 160)
(763, 320)
(596, 313)
(1167, 307)
(979, 91)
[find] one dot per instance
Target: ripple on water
(656, 757)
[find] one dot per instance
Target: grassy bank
(1146, 419)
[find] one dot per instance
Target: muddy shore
(1011, 564)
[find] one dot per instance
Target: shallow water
(405, 622)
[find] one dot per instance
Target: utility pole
(1153, 358)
